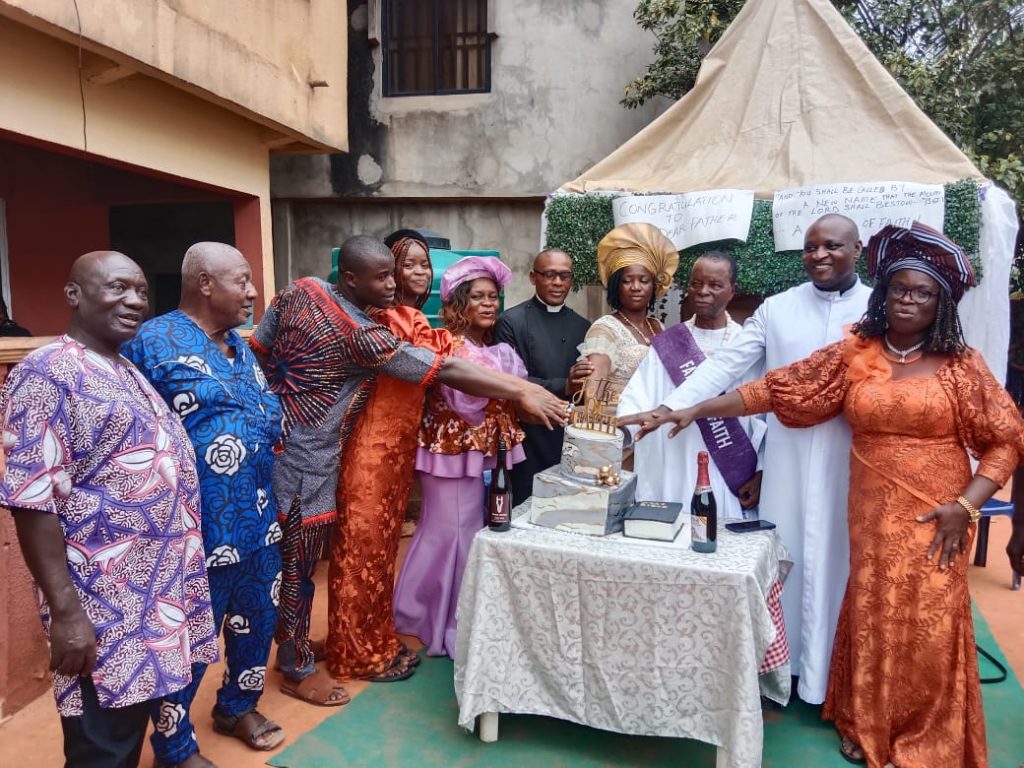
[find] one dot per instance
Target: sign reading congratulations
(691, 218)
(871, 205)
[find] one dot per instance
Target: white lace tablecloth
(641, 640)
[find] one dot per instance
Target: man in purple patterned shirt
(101, 479)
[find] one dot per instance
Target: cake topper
(591, 401)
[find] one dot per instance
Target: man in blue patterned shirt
(210, 378)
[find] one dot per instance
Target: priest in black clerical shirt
(545, 333)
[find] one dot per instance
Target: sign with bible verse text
(871, 205)
(691, 218)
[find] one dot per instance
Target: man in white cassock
(806, 471)
(666, 468)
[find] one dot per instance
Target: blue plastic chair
(992, 507)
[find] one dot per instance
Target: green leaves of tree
(683, 33)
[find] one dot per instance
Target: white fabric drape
(985, 310)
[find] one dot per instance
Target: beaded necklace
(646, 337)
(692, 325)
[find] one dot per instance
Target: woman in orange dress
(903, 684)
(373, 491)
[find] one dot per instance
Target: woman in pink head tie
(458, 440)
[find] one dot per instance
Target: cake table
(638, 639)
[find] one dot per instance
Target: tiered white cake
(568, 495)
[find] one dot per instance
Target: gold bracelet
(973, 513)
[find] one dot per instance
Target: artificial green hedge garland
(576, 223)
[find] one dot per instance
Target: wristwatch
(973, 513)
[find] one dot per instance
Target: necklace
(904, 354)
(705, 332)
(645, 336)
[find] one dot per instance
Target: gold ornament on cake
(607, 476)
(593, 402)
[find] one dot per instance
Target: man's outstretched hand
(643, 419)
(538, 406)
(649, 421)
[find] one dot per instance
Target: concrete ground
(33, 736)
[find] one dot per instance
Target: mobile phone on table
(746, 526)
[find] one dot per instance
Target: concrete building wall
(474, 167)
(558, 69)
(281, 63)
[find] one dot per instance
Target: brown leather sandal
(318, 688)
(400, 669)
(411, 659)
(264, 735)
(849, 749)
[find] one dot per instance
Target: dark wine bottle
(499, 495)
(703, 510)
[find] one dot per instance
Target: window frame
(386, 9)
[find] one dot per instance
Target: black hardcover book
(660, 520)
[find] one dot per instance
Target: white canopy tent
(789, 97)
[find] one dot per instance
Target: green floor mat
(414, 723)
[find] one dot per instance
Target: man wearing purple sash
(666, 469)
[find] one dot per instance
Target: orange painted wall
(57, 208)
(52, 218)
(249, 240)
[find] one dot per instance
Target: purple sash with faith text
(726, 440)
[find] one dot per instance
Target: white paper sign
(691, 218)
(871, 205)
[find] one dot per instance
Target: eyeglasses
(551, 276)
(917, 295)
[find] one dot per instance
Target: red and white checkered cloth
(778, 652)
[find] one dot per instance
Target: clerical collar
(547, 306)
(841, 292)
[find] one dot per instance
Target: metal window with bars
(436, 47)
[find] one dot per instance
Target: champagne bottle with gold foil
(703, 510)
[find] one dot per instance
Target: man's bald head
(844, 224)
(831, 247)
(109, 298)
(548, 254)
(216, 287)
(95, 263)
(209, 257)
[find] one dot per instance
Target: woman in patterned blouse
(458, 440)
